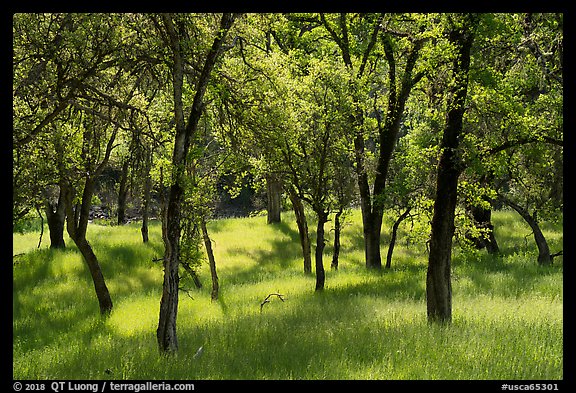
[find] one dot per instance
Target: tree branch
(371, 43)
(266, 300)
(509, 144)
(343, 48)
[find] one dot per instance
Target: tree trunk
(388, 133)
(369, 223)
(483, 220)
(274, 194)
(544, 257)
(192, 273)
(123, 194)
(185, 133)
(41, 226)
(302, 230)
(371, 250)
(77, 224)
(372, 207)
(438, 280)
(393, 237)
(374, 260)
(102, 293)
(337, 230)
(166, 331)
(146, 201)
(56, 217)
(211, 260)
(320, 274)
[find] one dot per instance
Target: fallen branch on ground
(267, 300)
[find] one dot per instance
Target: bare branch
(267, 299)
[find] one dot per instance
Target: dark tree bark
(146, 200)
(123, 193)
(166, 332)
(397, 223)
(388, 131)
(438, 280)
(192, 273)
(56, 218)
(185, 133)
(369, 217)
(337, 231)
(372, 206)
(274, 195)
(544, 257)
(77, 218)
(483, 220)
(41, 226)
(77, 223)
(319, 264)
(211, 260)
(56, 222)
(302, 230)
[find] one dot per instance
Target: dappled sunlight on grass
(507, 311)
(139, 280)
(135, 315)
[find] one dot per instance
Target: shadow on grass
(276, 255)
(30, 268)
(67, 308)
(307, 332)
(501, 275)
(53, 307)
(126, 257)
(406, 282)
(322, 335)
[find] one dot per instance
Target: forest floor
(507, 310)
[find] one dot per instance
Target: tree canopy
(421, 113)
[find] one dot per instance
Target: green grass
(507, 311)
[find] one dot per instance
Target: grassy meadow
(507, 311)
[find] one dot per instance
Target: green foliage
(288, 96)
(29, 223)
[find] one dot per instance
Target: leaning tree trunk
(102, 293)
(302, 230)
(192, 273)
(438, 280)
(544, 257)
(399, 220)
(211, 260)
(77, 224)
